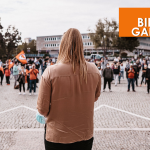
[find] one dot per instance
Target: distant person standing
(131, 74)
(108, 76)
(116, 73)
(41, 64)
(148, 78)
(144, 68)
(33, 76)
(1, 73)
(122, 70)
(21, 80)
(127, 68)
(7, 75)
(103, 65)
(15, 72)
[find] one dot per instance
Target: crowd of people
(22, 74)
(116, 70)
(109, 72)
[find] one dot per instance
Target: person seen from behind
(66, 97)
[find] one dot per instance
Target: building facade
(51, 44)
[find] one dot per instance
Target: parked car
(96, 56)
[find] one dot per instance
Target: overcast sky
(53, 17)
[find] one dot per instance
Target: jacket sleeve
(37, 71)
(30, 71)
(98, 89)
(43, 102)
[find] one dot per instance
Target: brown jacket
(68, 104)
(21, 77)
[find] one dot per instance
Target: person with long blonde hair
(67, 92)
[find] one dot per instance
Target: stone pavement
(121, 120)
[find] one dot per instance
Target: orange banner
(134, 22)
(10, 64)
(21, 57)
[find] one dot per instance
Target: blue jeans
(122, 74)
(32, 82)
(129, 82)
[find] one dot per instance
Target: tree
(104, 35)
(12, 39)
(25, 46)
(127, 43)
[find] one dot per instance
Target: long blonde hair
(71, 51)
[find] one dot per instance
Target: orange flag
(10, 64)
(21, 57)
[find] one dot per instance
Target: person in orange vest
(7, 74)
(131, 75)
(1, 73)
(33, 76)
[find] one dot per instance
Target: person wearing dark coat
(108, 76)
(148, 78)
(21, 80)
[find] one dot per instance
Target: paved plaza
(121, 119)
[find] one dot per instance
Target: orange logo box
(134, 22)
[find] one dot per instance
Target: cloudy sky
(53, 17)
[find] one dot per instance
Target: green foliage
(25, 46)
(9, 41)
(104, 35)
(127, 43)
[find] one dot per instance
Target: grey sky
(53, 17)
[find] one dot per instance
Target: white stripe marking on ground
(10, 109)
(146, 118)
(30, 108)
(95, 109)
(98, 107)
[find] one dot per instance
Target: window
(51, 45)
(49, 39)
(55, 45)
(58, 38)
(45, 39)
(55, 39)
(88, 44)
(85, 37)
(85, 43)
(47, 45)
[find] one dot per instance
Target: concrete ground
(121, 120)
